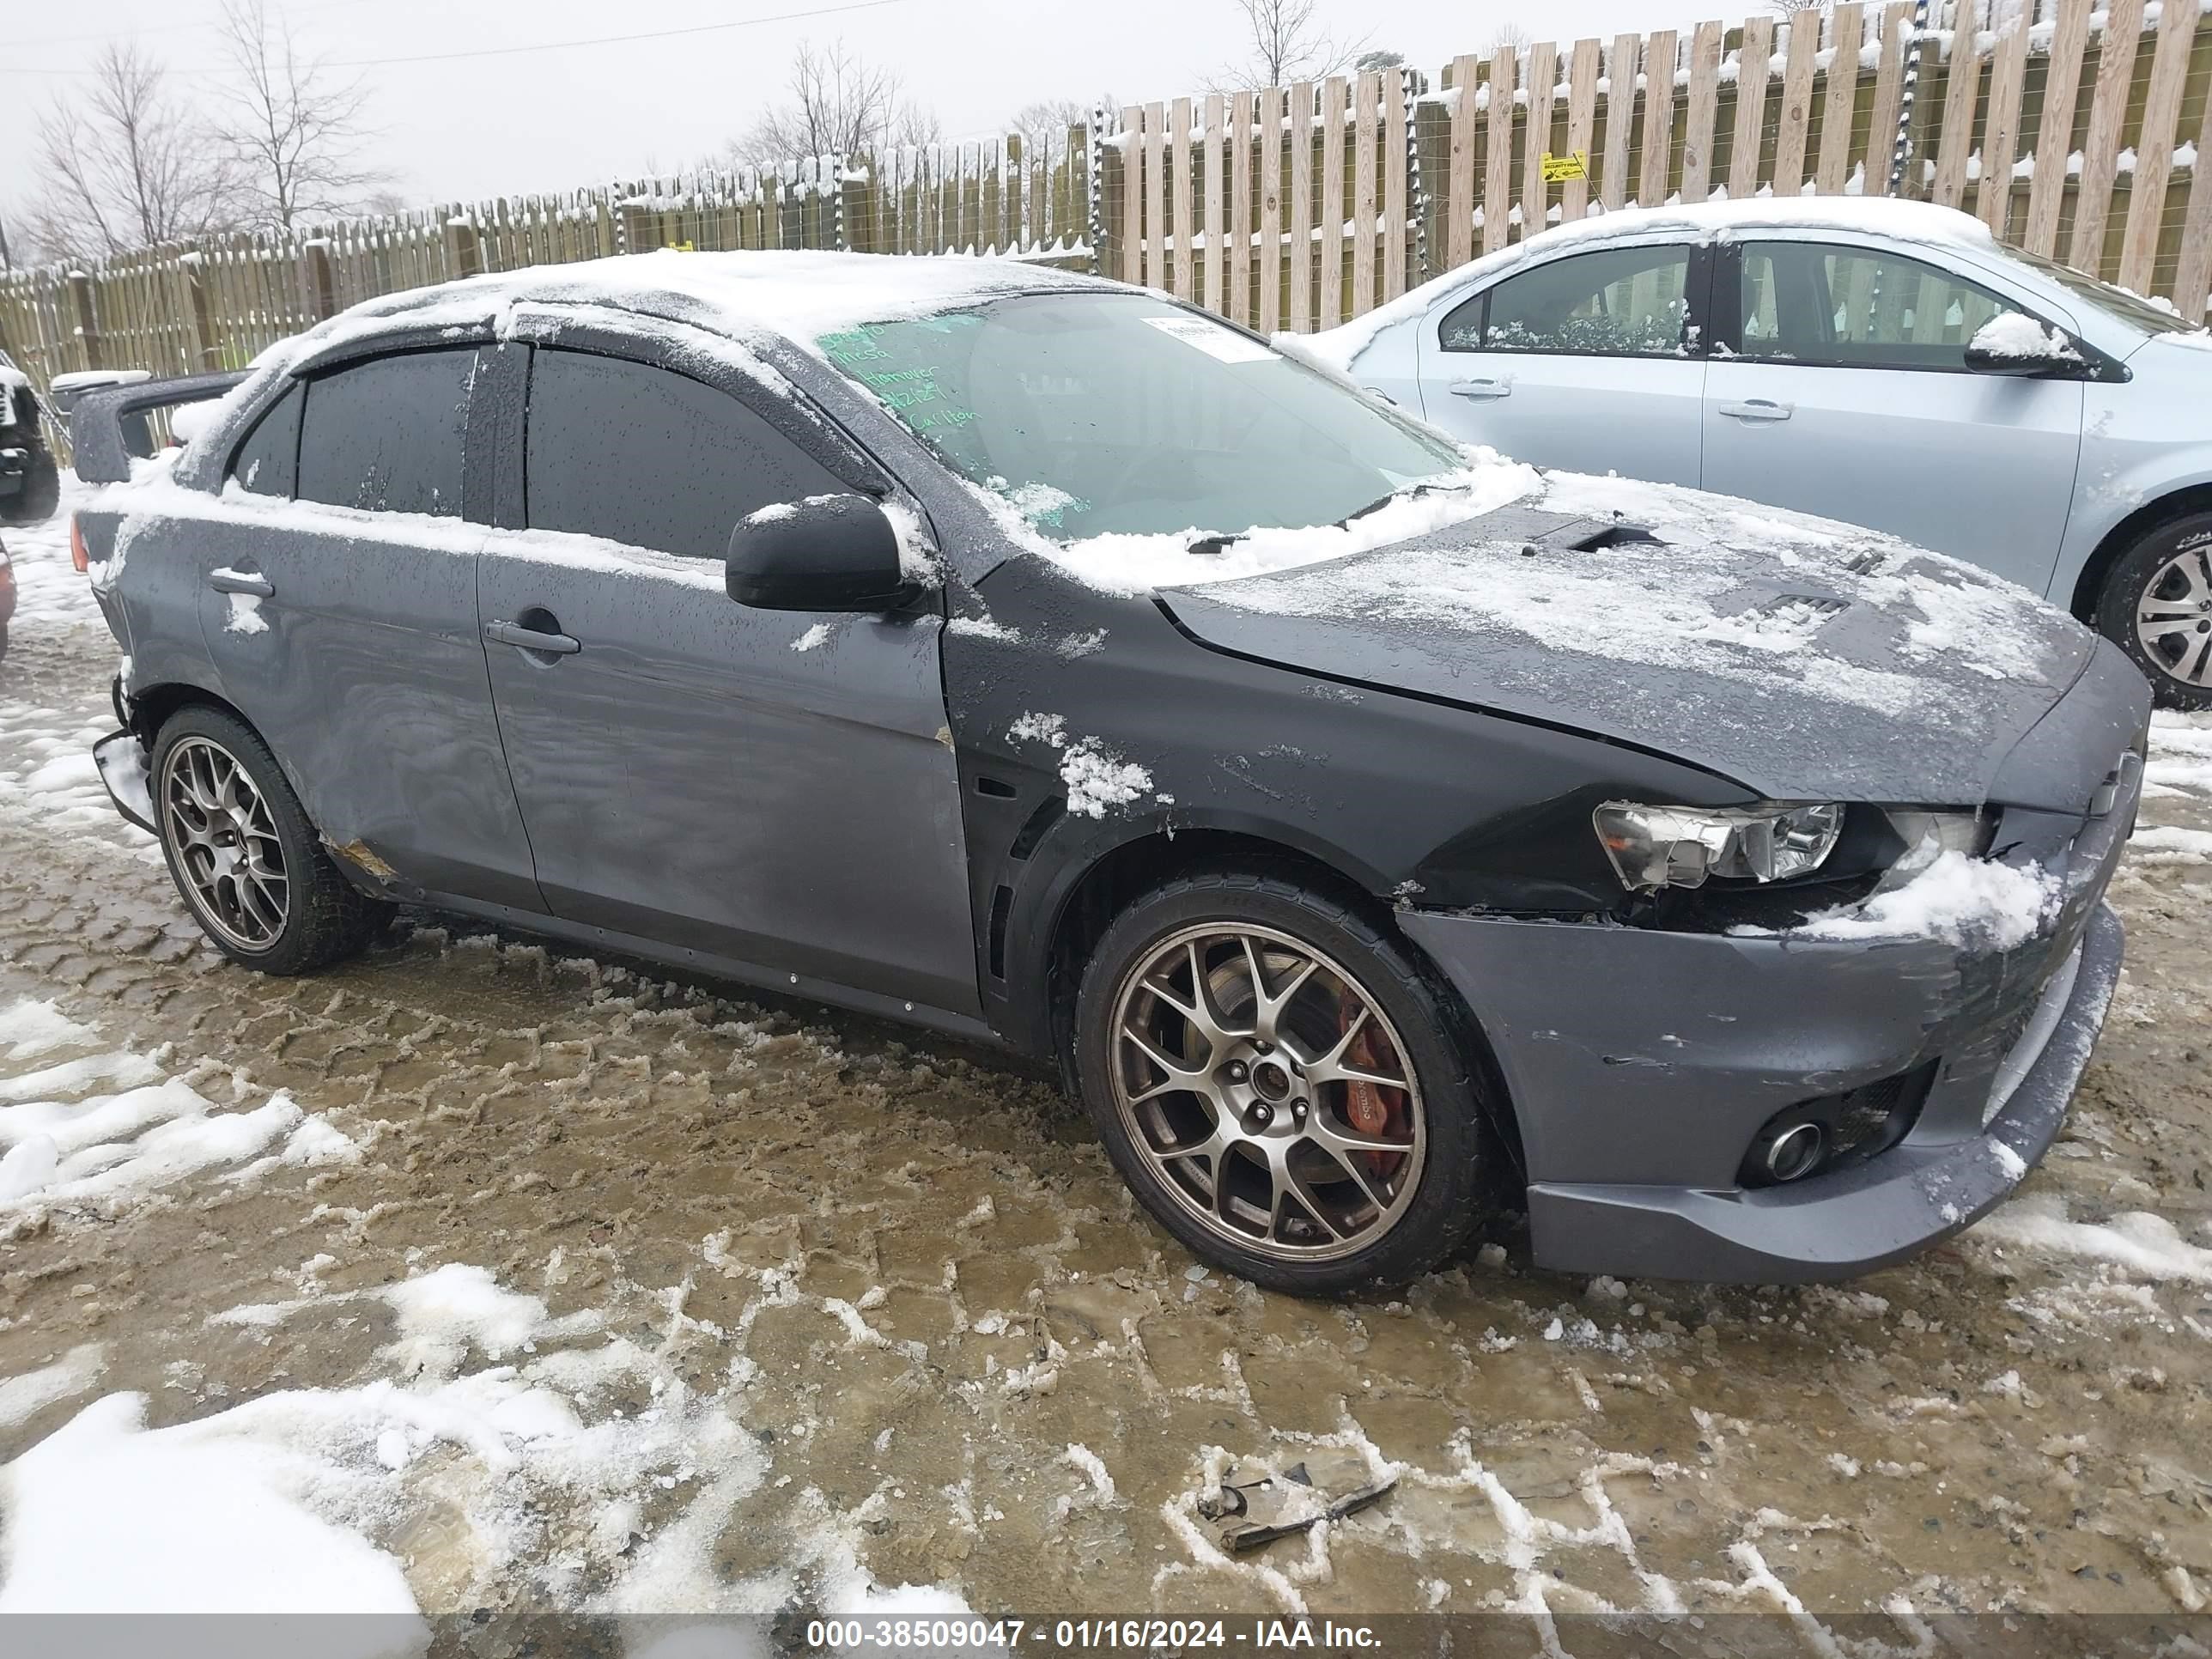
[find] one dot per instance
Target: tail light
(78, 555)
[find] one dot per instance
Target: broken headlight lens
(1682, 846)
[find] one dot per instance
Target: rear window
(384, 437)
(268, 461)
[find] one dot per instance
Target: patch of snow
(2146, 1246)
(105, 1516)
(22, 1398)
(1096, 779)
(818, 635)
(1033, 728)
(982, 628)
(2015, 335)
(1969, 902)
(100, 1133)
(245, 616)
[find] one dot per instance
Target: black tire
(325, 918)
(2180, 669)
(1447, 1195)
(41, 493)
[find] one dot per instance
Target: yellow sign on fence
(1559, 169)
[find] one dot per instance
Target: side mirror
(825, 553)
(2016, 344)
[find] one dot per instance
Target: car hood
(2180, 360)
(1804, 659)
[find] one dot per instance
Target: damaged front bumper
(1645, 1065)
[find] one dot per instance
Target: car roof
(794, 294)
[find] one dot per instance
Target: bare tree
(120, 165)
(293, 132)
(1286, 42)
(1044, 125)
(1508, 34)
(840, 105)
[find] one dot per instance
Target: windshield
(1099, 413)
(2117, 303)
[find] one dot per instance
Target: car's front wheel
(2157, 607)
(1281, 1085)
(243, 854)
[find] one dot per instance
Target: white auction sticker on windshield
(1215, 341)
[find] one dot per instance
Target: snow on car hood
(1806, 659)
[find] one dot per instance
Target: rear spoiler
(108, 428)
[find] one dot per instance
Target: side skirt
(964, 1026)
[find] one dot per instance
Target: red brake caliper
(1367, 1106)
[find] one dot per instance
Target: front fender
(1086, 723)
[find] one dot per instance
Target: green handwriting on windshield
(908, 389)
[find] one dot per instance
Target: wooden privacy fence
(2071, 127)
(2072, 131)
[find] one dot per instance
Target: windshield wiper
(1403, 492)
(1218, 542)
(1211, 544)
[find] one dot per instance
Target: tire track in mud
(912, 1280)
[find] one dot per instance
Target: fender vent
(1047, 814)
(1002, 904)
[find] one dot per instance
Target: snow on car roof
(798, 294)
(1904, 222)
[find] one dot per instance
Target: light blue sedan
(1887, 363)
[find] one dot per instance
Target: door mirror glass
(824, 553)
(2016, 344)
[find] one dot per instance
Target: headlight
(1681, 846)
(1928, 836)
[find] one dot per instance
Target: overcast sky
(543, 121)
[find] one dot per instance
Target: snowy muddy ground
(477, 1276)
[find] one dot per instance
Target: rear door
(1594, 362)
(344, 628)
(770, 787)
(1840, 386)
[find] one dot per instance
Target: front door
(344, 627)
(1592, 363)
(1844, 391)
(770, 787)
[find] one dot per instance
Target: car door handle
(1481, 390)
(530, 638)
(224, 579)
(1759, 408)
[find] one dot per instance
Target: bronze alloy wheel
(1268, 1090)
(225, 841)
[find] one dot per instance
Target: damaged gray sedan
(1367, 828)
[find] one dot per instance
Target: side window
(268, 461)
(1849, 308)
(1621, 302)
(385, 435)
(644, 457)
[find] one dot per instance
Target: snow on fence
(2071, 127)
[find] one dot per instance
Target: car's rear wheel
(41, 494)
(2157, 607)
(243, 854)
(1281, 1085)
